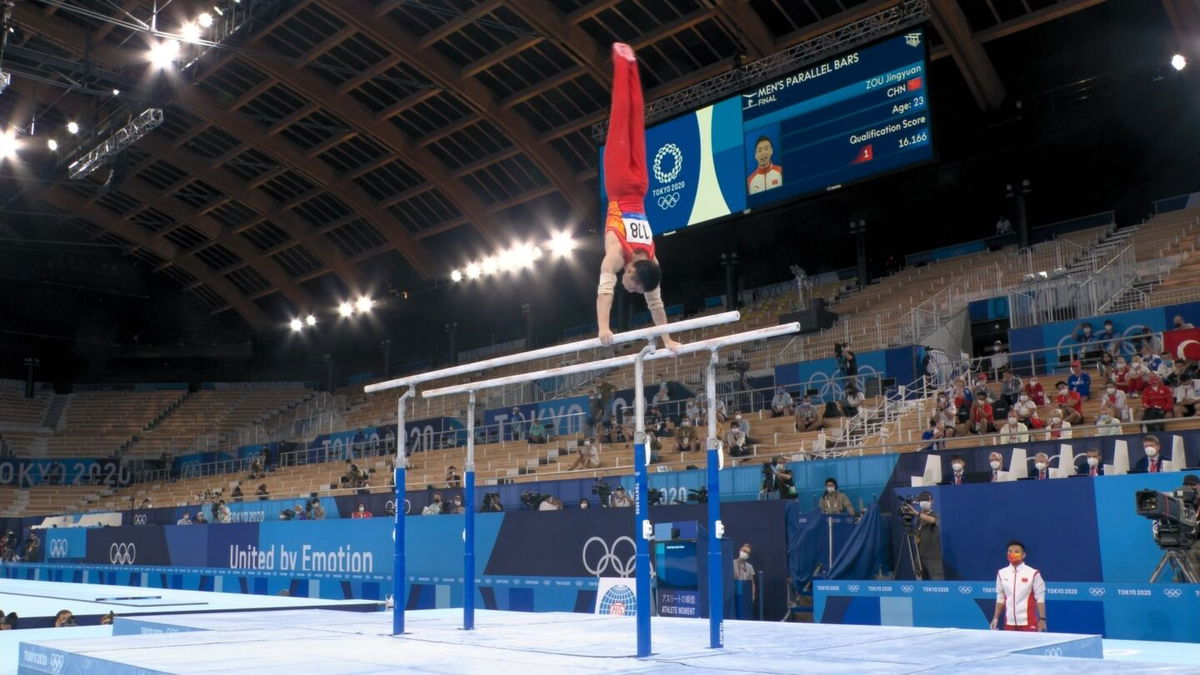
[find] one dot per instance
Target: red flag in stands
(1183, 343)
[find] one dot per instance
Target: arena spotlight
(163, 53)
(489, 265)
(52, 144)
(473, 271)
(8, 144)
(296, 325)
(561, 244)
(346, 310)
(190, 32)
(456, 276)
(72, 128)
(205, 20)
(364, 304)
(310, 320)
(1179, 62)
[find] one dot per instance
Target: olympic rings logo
(676, 154)
(139, 519)
(906, 588)
(391, 505)
(608, 558)
(1172, 592)
(58, 548)
(853, 588)
(668, 201)
(1096, 591)
(964, 589)
(1054, 651)
(122, 554)
(57, 661)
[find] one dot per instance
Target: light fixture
(310, 320)
(205, 19)
(489, 265)
(456, 276)
(297, 325)
(190, 32)
(8, 144)
(163, 53)
(364, 304)
(52, 144)
(72, 127)
(473, 271)
(561, 244)
(116, 92)
(346, 310)
(1179, 62)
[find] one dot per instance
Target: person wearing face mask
(999, 358)
(929, 539)
(1136, 378)
(834, 501)
(1070, 403)
(584, 504)
(1035, 390)
(1011, 387)
(1187, 395)
(1108, 338)
(1041, 467)
(958, 474)
(1114, 399)
(995, 463)
(1091, 464)
(1179, 324)
(1158, 402)
(1027, 412)
(1080, 381)
(745, 592)
(361, 512)
(1120, 375)
(1107, 423)
(1019, 588)
(1059, 427)
(1106, 366)
(1153, 461)
(1013, 431)
(982, 420)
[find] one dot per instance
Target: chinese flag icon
(915, 84)
(865, 155)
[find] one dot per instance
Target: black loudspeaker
(815, 318)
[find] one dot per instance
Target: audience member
(1106, 366)
(1059, 427)
(550, 503)
(516, 426)
(1091, 464)
(64, 619)
(1079, 381)
(1108, 339)
(735, 441)
(1035, 390)
(846, 360)
(1069, 403)
(1147, 340)
(834, 501)
(434, 507)
(1027, 412)
(1187, 395)
(1041, 466)
(455, 506)
(1013, 430)
(587, 455)
(996, 463)
(854, 399)
(686, 439)
(316, 511)
(236, 495)
(107, 619)
(982, 421)
(619, 498)
(722, 412)
(807, 416)
(958, 474)
(262, 493)
(1011, 387)
(185, 519)
(1158, 402)
(1164, 366)
(221, 513)
(200, 519)
(1138, 376)
(661, 397)
(1106, 423)
(453, 479)
(1152, 462)
(781, 405)
(1179, 324)
(537, 432)
(999, 358)
(584, 504)
(361, 512)
(1114, 399)
(692, 411)
(1120, 376)
(935, 433)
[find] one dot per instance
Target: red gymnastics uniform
(625, 177)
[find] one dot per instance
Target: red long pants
(625, 176)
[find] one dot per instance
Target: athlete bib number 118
(638, 231)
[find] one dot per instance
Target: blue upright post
(399, 585)
(469, 532)
(716, 590)
(641, 507)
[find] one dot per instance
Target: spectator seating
(100, 423)
(207, 419)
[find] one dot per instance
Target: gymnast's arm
(658, 313)
(612, 263)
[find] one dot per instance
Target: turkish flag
(1183, 343)
(865, 155)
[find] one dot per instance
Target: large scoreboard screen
(832, 123)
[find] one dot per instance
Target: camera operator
(777, 479)
(1192, 482)
(491, 503)
(928, 536)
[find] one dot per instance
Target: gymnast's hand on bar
(606, 337)
(670, 343)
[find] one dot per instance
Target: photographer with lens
(777, 480)
(928, 535)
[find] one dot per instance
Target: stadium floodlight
(205, 20)
(346, 310)
(474, 270)
(1179, 62)
(52, 144)
(116, 142)
(535, 253)
(190, 32)
(116, 92)
(489, 265)
(297, 325)
(456, 276)
(5, 80)
(8, 144)
(164, 52)
(561, 244)
(73, 128)
(310, 320)
(364, 304)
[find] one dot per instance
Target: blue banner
(24, 472)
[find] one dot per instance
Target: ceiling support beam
(972, 60)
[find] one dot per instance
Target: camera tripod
(909, 548)
(1180, 565)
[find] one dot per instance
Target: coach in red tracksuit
(1020, 594)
